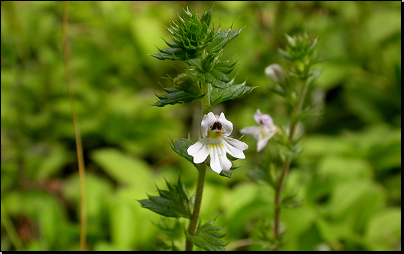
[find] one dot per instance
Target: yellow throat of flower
(214, 134)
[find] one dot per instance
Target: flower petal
(235, 147)
(225, 162)
(226, 125)
(253, 130)
(263, 119)
(262, 143)
(199, 151)
(207, 121)
(214, 160)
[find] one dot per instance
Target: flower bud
(186, 83)
(275, 73)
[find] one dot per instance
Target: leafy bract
(180, 146)
(208, 237)
(174, 202)
(229, 92)
(175, 96)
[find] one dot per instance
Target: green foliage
(174, 202)
(354, 147)
(180, 147)
(208, 237)
(200, 47)
(175, 96)
(190, 36)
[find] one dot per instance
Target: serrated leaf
(208, 237)
(195, 63)
(175, 96)
(230, 92)
(206, 17)
(208, 78)
(226, 173)
(181, 146)
(172, 203)
(220, 40)
(226, 67)
(219, 75)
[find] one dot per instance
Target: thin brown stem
(79, 146)
(286, 166)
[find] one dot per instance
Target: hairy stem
(206, 107)
(197, 206)
(79, 146)
(286, 166)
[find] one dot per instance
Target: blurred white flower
(263, 132)
(216, 143)
(275, 73)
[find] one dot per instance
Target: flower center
(215, 130)
(214, 134)
(216, 126)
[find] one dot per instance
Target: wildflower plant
(294, 84)
(205, 78)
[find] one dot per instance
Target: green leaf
(220, 40)
(218, 75)
(230, 92)
(209, 78)
(265, 172)
(226, 67)
(180, 146)
(174, 202)
(206, 17)
(208, 237)
(290, 201)
(175, 96)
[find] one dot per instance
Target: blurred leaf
(53, 162)
(124, 169)
(384, 230)
(264, 173)
(356, 202)
(290, 201)
(345, 169)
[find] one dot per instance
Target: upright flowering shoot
(202, 77)
(216, 143)
(264, 131)
(294, 84)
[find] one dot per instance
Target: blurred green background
(348, 175)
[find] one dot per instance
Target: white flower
(216, 143)
(276, 73)
(263, 132)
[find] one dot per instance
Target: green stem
(197, 206)
(206, 107)
(286, 165)
(205, 101)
